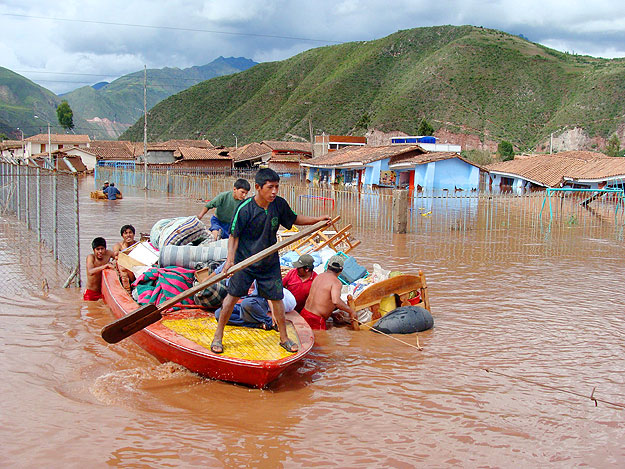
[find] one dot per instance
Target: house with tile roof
(59, 161)
(39, 143)
(436, 171)
(282, 157)
(576, 169)
(405, 166)
(108, 153)
(218, 159)
(357, 165)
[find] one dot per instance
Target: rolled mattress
(189, 256)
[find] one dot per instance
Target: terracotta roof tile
(364, 154)
(551, 170)
(192, 153)
(64, 139)
(429, 157)
(277, 145)
(111, 150)
(250, 151)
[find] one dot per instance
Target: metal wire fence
(44, 203)
(428, 212)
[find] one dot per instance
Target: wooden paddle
(150, 313)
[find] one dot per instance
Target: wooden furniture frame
(340, 240)
(401, 285)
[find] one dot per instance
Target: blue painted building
(394, 166)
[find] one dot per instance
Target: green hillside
(21, 100)
(465, 79)
(122, 100)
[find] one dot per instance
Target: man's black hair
(112, 184)
(265, 175)
(127, 227)
(242, 184)
(97, 242)
(334, 268)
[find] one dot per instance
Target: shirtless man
(128, 239)
(98, 261)
(325, 296)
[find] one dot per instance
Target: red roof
(63, 139)
(192, 153)
(364, 154)
(551, 170)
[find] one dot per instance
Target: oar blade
(131, 323)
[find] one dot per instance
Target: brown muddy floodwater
(537, 306)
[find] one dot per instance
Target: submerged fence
(428, 212)
(46, 203)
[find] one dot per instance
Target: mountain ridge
(462, 79)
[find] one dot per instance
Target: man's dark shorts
(268, 283)
(218, 225)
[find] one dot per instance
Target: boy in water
(128, 239)
(225, 204)
(101, 259)
(254, 229)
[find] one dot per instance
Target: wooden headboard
(400, 285)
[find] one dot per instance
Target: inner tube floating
(405, 320)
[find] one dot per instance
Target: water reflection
(506, 294)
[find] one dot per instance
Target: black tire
(405, 320)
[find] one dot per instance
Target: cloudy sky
(67, 44)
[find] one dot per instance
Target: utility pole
(23, 156)
(551, 144)
(145, 128)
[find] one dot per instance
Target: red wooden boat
(251, 356)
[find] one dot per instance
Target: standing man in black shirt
(253, 229)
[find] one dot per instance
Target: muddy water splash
(543, 306)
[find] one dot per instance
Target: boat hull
(166, 344)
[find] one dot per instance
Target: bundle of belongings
(354, 277)
(181, 254)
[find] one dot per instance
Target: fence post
(55, 207)
(77, 281)
(27, 184)
(18, 169)
(38, 204)
(400, 211)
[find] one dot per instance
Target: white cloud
(82, 46)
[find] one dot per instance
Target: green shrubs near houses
(505, 151)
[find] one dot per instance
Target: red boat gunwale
(167, 345)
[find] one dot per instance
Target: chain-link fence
(44, 203)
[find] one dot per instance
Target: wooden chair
(339, 240)
(401, 285)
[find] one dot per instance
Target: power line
(172, 28)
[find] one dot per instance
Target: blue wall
(447, 174)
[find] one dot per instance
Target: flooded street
(540, 310)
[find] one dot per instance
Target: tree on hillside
(505, 150)
(65, 115)
(364, 121)
(614, 145)
(425, 128)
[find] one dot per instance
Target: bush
(425, 128)
(505, 150)
(614, 145)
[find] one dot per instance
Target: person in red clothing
(299, 279)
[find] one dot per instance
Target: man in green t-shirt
(225, 204)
